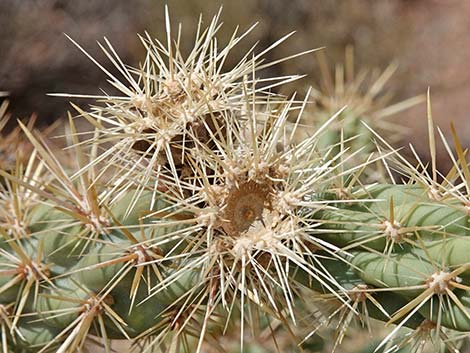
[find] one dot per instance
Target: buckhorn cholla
(191, 208)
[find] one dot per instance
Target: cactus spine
(191, 208)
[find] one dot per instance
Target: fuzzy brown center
(245, 205)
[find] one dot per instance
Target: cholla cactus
(366, 100)
(171, 103)
(192, 215)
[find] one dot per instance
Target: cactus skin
(240, 224)
(103, 273)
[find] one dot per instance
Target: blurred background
(427, 38)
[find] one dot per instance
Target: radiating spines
(16, 199)
(427, 337)
(366, 95)
(248, 205)
(432, 289)
(367, 102)
(408, 242)
(22, 273)
(171, 100)
(192, 206)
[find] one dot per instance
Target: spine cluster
(202, 209)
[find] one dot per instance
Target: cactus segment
(407, 271)
(33, 336)
(191, 208)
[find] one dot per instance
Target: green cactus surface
(190, 217)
